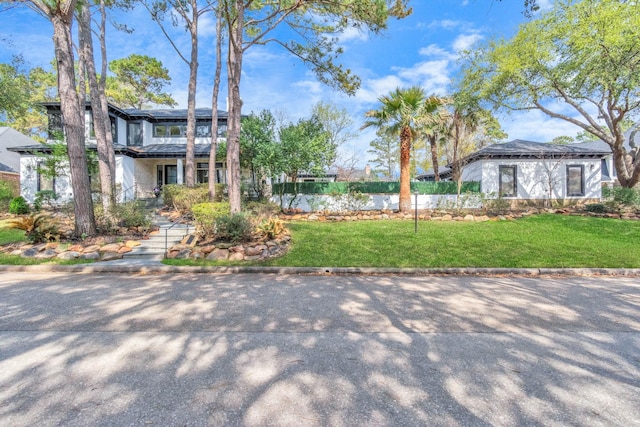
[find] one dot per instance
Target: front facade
(149, 145)
(527, 171)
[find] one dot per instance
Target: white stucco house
(528, 171)
(150, 149)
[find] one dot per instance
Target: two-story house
(149, 145)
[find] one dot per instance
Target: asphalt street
(318, 350)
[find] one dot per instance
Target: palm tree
(403, 113)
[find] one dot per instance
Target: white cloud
(353, 34)
(433, 76)
(536, 126)
(447, 24)
(436, 51)
(466, 41)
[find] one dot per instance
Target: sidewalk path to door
(258, 350)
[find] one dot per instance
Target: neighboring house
(10, 138)
(150, 149)
(533, 171)
(10, 161)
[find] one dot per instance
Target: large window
(134, 134)
(508, 184)
(575, 180)
(179, 130)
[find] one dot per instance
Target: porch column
(180, 172)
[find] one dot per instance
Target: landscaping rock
(132, 243)
(69, 255)
(30, 253)
(112, 247)
(90, 255)
(46, 254)
(92, 248)
(468, 217)
(236, 256)
(110, 256)
(218, 255)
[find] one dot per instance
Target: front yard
(533, 242)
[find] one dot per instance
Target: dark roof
(166, 114)
(147, 151)
(521, 149)
(172, 115)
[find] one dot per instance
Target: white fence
(373, 202)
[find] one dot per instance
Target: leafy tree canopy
(579, 62)
(138, 82)
(21, 92)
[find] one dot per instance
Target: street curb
(342, 271)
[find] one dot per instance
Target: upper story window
(134, 134)
(54, 128)
(508, 182)
(179, 130)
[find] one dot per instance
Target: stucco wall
(312, 203)
(534, 176)
(29, 181)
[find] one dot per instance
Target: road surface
(260, 350)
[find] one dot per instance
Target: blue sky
(419, 50)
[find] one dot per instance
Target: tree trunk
(626, 166)
(103, 147)
(104, 104)
(434, 156)
(234, 67)
(405, 166)
(214, 109)
(72, 112)
(190, 161)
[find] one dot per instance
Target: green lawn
(537, 241)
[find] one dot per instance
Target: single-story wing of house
(533, 171)
(150, 149)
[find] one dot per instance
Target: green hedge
(442, 187)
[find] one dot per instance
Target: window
(179, 130)
(134, 134)
(575, 180)
(508, 184)
(159, 131)
(171, 174)
(45, 183)
(202, 173)
(55, 125)
(114, 129)
(203, 131)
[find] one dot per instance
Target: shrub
(618, 198)
(44, 196)
(7, 193)
(234, 228)
(130, 214)
(206, 214)
(595, 208)
(262, 210)
(38, 228)
(495, 205)
(18, 206)
(272, 227)
(183, 198)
